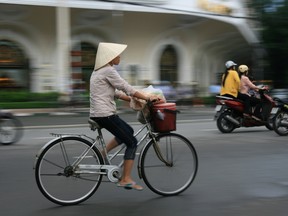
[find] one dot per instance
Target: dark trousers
(248, 102)
(122, 131)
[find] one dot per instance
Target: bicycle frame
(109, 169)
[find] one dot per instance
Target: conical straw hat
(107, 52)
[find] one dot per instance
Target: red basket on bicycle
(163, 117)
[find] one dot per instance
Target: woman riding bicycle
(106, 85)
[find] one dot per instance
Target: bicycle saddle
(93, 125)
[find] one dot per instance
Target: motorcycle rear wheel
(224, 125)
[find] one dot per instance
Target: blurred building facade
(50, 45)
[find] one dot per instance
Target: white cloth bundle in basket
(138, 104)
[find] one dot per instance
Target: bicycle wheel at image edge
(11, 130)
(280, 128)
(56, 175)
(181, 168)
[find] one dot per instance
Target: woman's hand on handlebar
(154, 100)
(264, 88)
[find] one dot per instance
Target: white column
(63, 40)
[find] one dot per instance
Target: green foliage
(25, 96)
(27, 100)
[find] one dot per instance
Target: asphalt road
(240, 174)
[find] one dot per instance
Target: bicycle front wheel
(57, 171)
(279, 123)
(169, 166)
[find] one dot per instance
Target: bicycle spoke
(50, 162)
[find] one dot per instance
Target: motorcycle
(10, 128)
(229, 112)
(280, 121)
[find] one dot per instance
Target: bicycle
(10, 128)
(70, 168)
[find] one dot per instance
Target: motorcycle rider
(245, 86)
(231, 87)
(230, 81)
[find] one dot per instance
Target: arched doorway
(169, 65)
(14, 66)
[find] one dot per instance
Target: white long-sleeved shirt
(104, 84)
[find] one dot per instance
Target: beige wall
(202, 44)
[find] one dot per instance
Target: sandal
(130, 186)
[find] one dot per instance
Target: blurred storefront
(14, 66)
(50, 45)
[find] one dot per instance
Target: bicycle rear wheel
(57, 171)
(175, 171)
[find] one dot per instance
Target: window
(83, 60)
(14, 66)
(168, 65)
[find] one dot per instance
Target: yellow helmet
(243, 68)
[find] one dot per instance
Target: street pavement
(240, 174)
